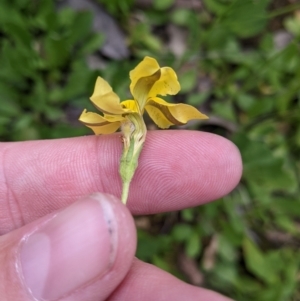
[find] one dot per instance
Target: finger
(147, 282)
(177, 169)
(80, 253)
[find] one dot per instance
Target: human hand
(53, 248)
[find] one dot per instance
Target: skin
(40, 182)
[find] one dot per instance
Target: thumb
(80, 253)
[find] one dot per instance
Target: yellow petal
(113, 118)
(105, 129)
(167, 83)
(131, 105)
(158, 117)
(143, 77)
(147, 67)
(104, 99)
(99, 124)
(166, 114)
(90, 118)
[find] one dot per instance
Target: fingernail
(70, 250)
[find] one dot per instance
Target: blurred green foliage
(239, 62)
(121, 9)
(42, 61)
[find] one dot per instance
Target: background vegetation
(237, 60)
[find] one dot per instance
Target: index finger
(177, 169)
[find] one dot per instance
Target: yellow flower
(148, 80)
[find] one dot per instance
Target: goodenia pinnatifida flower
(148, 80)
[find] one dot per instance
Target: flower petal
(143, 77)
(165, 114)
(158, 117)
(105, 129)
(99, 124)
(131, 105)
(104, 99)
(147, 67)
(167, 83)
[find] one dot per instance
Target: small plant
(148, 80)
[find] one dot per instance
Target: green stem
(128, 165)
(134, 134)
(284, 10)
(125, 191)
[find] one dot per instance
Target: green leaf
(193, 245)
(57, 51)
(149, 246)
(188, 214)
(245, 101)
(188, 80)
(198, 98)
(216, 6)
(81, 27)
(181, 16)
(289, 206)
(19, 33)
(182, 232)
(93, 43)
(161, 263)
(258, 263)
(246, 18)
(224, 109)
(292, 24)
(162, 4)
(262, 168)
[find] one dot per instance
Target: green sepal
(128, 165)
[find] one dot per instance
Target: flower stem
(128, 165)
(125, 191)
(284, 10)
(134, 133)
